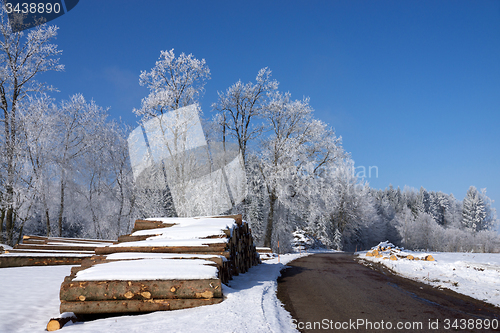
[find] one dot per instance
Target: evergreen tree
(337, 240)
(474, 210)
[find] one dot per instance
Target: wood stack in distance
(43, 251)
(394, 253)
(198, 258)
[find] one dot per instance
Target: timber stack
(44, 251)
(389, 251)
(164, 264)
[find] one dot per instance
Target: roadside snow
(473, 274)
(30, 297)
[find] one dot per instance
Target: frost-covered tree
(296, 147)
(173, 82)
(39, 117)
(239, 107)
(22, 57)
(404, 224)
(80, 129)
(337, 240)
(474, 210)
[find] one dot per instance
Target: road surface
(331, 292)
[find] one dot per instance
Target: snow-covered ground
(473, 274)
(30, 297)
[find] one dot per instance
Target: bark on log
(75, 291)
(48, 252)
(237, 218)
(149, 224)
(218, 249)
(58, 323)
(130, 238)
(22, 261)
(67, 240)
(46, 247)
(134, 306)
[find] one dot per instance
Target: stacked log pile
(389, 251)
(164, 264)
(43, 251)
(265, 253)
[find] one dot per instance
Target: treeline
(65, 166)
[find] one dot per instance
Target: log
(130, 238)
(238, 219)
(150, 224)
(74, 291)
(21, 261)
(264, 249)
(55, 247)
(58, 323)
(24, 251)
(134, 306)
(218, 249)
(68, 240)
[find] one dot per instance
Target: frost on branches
(173, 83)
(22, 58)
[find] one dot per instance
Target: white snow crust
(144, 255)
(149, 269)
(187, 231)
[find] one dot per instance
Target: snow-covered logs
(43, 251)
(386, 250)
(164, 264)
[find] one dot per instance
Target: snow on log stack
(42, 251)
(164, 264)
(386, 250)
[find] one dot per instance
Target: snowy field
(473, 274)
(30, 297)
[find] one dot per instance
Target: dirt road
(333, 293)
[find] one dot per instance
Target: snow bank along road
(332, 292)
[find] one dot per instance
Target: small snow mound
(4, 247)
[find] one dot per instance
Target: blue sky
(413, 87)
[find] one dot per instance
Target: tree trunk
(270, 219)
(2, 216)
(9, 224)
(47, 219)
(61, 207)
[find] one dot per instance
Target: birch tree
(22, 57)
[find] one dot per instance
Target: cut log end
(58, 323)
(53, 325)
